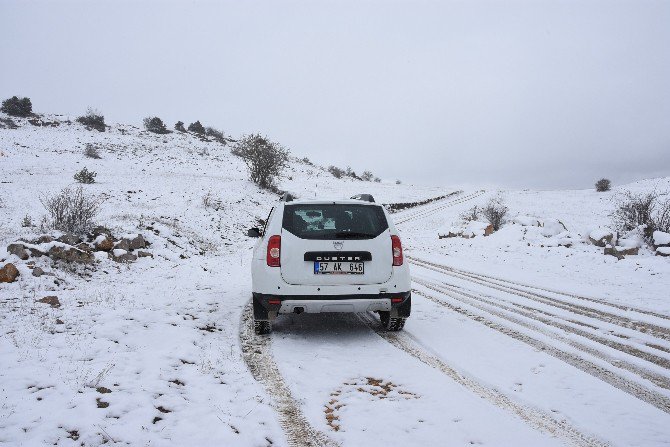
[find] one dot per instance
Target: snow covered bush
(85, 176)
(649, 212)
(15, 106)
(196, 128)
(265, 159)
(603, 185)
(495, 212)
(335, 171)
(27, 221)
(91, 151)
(93, 120)
(8, 123)
(179, 126)
(377, 180)
(71, 210)
(155, 124)
(367, 176)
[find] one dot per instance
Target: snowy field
(513, 339)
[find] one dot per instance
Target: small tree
(603, 185)
(155, 124)
(15, 106)
(265, 159)
(495, 212)
(471, 215)
(85, 176)
(179, 126)
(93, 120)
(196, 128)
(378, 180)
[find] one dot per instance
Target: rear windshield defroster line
(334, 221)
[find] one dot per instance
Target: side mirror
(254, 232)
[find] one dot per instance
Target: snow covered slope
(512, 341)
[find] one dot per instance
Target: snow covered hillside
(514, 339)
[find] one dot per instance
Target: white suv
(329, 256)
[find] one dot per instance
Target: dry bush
(179, 126)
(495, 212)
(85, 176)
(471, 215)
(93, 120)
(216, 134)
(603, 185)
(337, 172)
(367, 176)
(92, 151)
(71, 210)
(651, 211)
(209, 200)
(27, 221)
(377, 180)
(265, 159)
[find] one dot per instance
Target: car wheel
(391, 324)
(262, 327)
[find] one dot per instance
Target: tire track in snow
(494, 308)
(589, 312)
(634, 389)
(534, 417)
(426, 212)
(519, 287)
(259, 360)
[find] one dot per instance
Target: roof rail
(365, 197)
(287, 197)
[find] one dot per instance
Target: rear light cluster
(396, 300)
(274, 251)
(396, 248)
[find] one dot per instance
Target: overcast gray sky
(536, 93)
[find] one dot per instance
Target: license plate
(335, 268)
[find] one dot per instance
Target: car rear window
(334, 221)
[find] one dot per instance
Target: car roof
(330, 202)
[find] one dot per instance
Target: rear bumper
(267, 307)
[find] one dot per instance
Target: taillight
(396, 248)
(274, 250)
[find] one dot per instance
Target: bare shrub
(209, 200)
(92, 151)
(155, 125)
(377, 180)
(179, 126)
(71, 210)
(471, 215)
(307, 161)
(196, 128)
(367, 176)
(85, 176)
(265, 159)
(93, 120)
(337, 172)
(216, 134)
(603, 185)
(648, 211)
(398, 182)
(494, 212)
(15, 106)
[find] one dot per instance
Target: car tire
(391, 324)
(262, 327)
